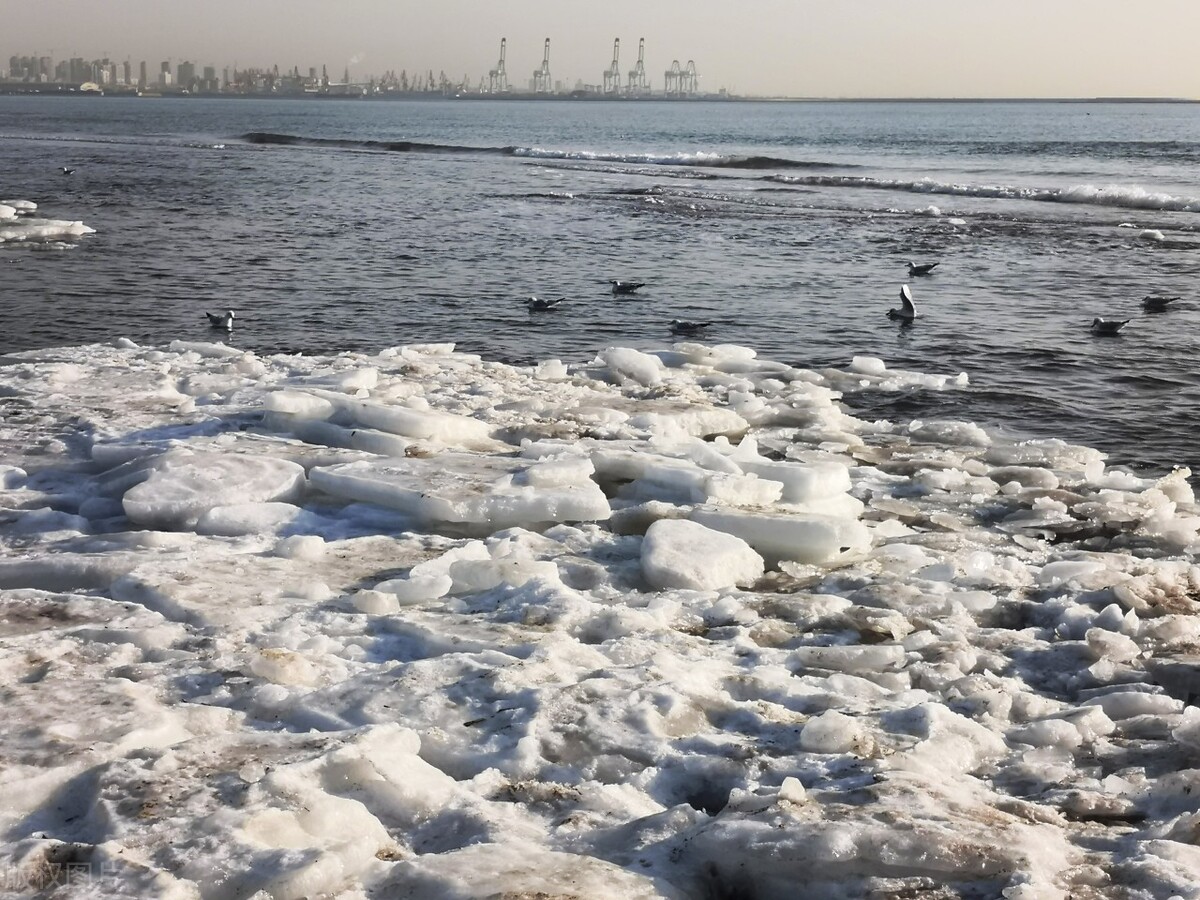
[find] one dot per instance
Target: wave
(1094, 195)
(702, 160)
(291, 140)
(699, 159)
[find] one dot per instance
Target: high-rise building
(142, 79)
(45, 68)
(187, 75)
(127, 72)
(164, 74)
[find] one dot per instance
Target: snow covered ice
(672, 624)
(19, 226)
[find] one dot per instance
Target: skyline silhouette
(874, 48)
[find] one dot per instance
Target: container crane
(637, 83)
(541, 77)
(612, 75)
(497, 77)
(672, 78)
(691, 81)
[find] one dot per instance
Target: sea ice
(677, 553)
(489, 492)
(665, 624)
(184, 485)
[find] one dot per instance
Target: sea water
(350, 225)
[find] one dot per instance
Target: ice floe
(20, 226)
(656, 624)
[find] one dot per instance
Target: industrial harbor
(42, 74)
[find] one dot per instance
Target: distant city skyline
(872, 48)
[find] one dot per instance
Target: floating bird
(1108, 326)
(221, 320)
(923, 269)
(66, 171)
(536, 305)
(1157, 304)
(625, 287)
(907, 312)
(680, 326)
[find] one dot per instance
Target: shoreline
(65, 91)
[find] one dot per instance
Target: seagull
(907, 312)
(66, 171)
(1108, 326)
(625, 287)
(536, 305)
(923, 269)
(1157, 304)
(680, 326)
(221, 320)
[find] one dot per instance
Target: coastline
(68, 91)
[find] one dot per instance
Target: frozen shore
(417, 624)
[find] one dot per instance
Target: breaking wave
(703, 160)
(1123, 197)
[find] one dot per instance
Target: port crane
(612, 75)
(497, 77)
(681, 81)
(541, 77)
(671, 79)
(637, 83)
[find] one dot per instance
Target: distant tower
(612, 75)
(637, 83)
(497, 77)
(541, 77)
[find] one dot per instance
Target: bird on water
(906, 312)
(66, 171)
(221, 320)
(1157, 304)
(682, 326)
(1108, 326)
(922, 269)
(625, 287)
(536, 305)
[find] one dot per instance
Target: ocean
(402, 589)
(350, 225)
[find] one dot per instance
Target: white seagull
(66, 171)
(1108, 326)
(221, 320)
(625, 287)
(536, 305)
(1157, 304)
(907, 312)
(923, 269)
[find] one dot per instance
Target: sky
(798, 48)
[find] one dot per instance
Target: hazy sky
(851, 48)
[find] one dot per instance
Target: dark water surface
(346, 225)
